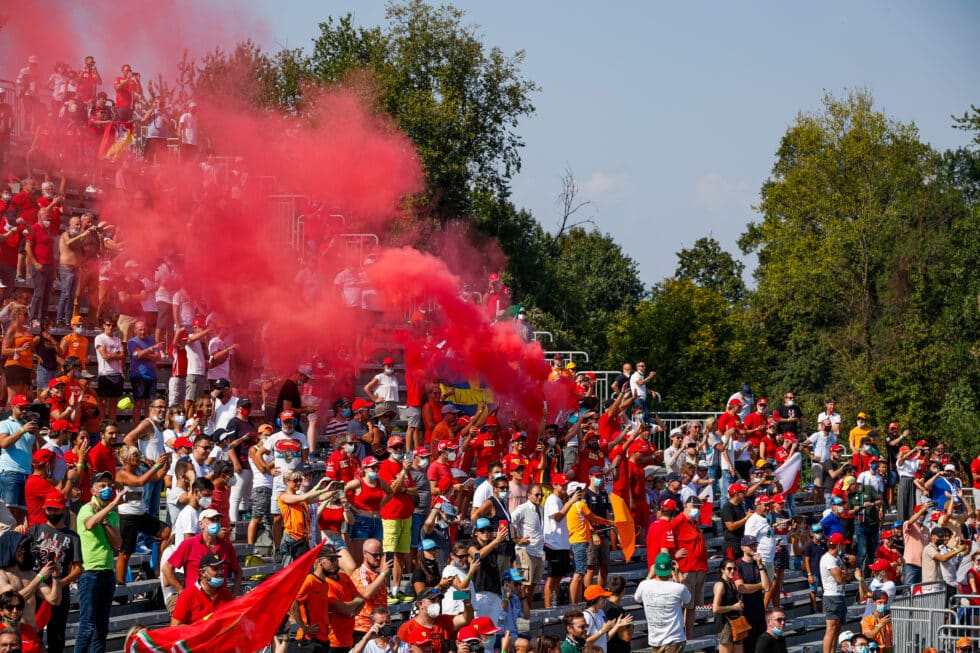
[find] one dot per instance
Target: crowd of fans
(462, 515)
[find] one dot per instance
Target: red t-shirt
(36, 490)
(341, 467)
(728, 421)
(86, 85)
(414, 388)
(42, 244)
(220, 501)
(780, 455)
(125, 92)
(55, 227)
(975, 470)
(687, 536)
(587, 459)
(193, 604)
(442, 633)
(102, 459)
(753, 421)
(400, 505)
(891, 557)
(660, 535)
(179, 356)
(25, 206)
(188, 555)
(609, 427)
(438, 471)
(9, 247)
(30, 641)
(861, 462)
(487, 449)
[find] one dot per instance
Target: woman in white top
(383, 388)
(149, 438)
(133, 518)
(262, 464)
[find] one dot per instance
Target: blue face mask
(397, 457)
(874, 468)
(597, 482)
(214, 529)
(216, 582)
(882, 609)
(505, 494)
(778, 632)
(105, 494)
(373, 476)
(346, 413)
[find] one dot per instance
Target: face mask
(216, 582)
(433, 610)
(346, 413)
(78, 331)
(45, 223)
(157, 418)
(881, 609)
(778, 632)
(348, 448)
(6, 197)
(790, 402)
(521, 317)
(860, 649)
(505, 494)
(839, 509)
(860, 423)
(397, 457)
(300, 383)
(389, 371)
(874, 468)
(867, 449)
(597, 482)
(693, 513)
(287, 428)
(55, 517)
(452, 456)
(593, 445)
(48, 194)
(551, 442)
(423, 463)
(232, 481)
(180, 420)
(214, 529)
(372, 476)
(74, 232)
(106, 494)
(442, 523)
(204, 503)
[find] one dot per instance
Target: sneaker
(21, 279)
(143, 550)
(392, 600)
(404, 598)
(90, 189)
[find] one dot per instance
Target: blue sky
(669, 114)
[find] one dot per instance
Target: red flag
(243, 626)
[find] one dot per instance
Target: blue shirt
(16, 457)
(514, 610)
(938, 492)
(144, 368)
(831, 524)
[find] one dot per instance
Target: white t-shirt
(595, 621)
(831, 587)
(387, 388)
(112, 345)
(909, 467)
(663, 604)
(834, 418)
(286, 456)
(555, 532)
(186, 522)
(873, 479)
(223, 412)
(223, 369)
(637, 386)
(258, 478)
(758, 527)
(450, 605)
(526, 522)
(185, 307)
(154, 446)
(822, 444)
(196, 358)
(482, 493)
(189, 122)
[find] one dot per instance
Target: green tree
(709, 266)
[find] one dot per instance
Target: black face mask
(593, 445)
(54, 517)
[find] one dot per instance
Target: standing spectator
(144, 354)
(727, 605)
(99, 536)
(638, 386)
(581, 524)
(157, 122)
(877, 626)
(752, 583)
(422, 501)
(311, 608)
(733, 519)
(149, 439)
(366, 494)
(396, 513)
(290, 450)
(133, 518)
(691, 556)
(88, 81)
(110, 357)
(915, 536)
(758, 527)
(830, 412)
(486, 543)
(196, 384)
(371, 579)
(40, 258)
(833, 576)
(772, 641)
(663, 603)
(789, 416)
(528, 528)
(127, 87)
(262, 465)
(860, 431)
(54, 541)
(745, 396)
(293, 506)
(557, 547)
(812, 554)
(908, 464)
(382, 389)
(130, 295)
(220, 352)
(69, 247)
(819, 444)
(866, 502)
(17, 438)
(188, 133)
(92, 245)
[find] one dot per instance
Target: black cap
(212, 560)
(101, 476)
(222, 384)
(429, 593)
(244, 402)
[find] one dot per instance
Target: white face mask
(389, 371)
(179, 420)
(78, 330)
(452, 456)
(204, 503)
(45, 223)
(551, 442)
(423, 463)
(693, 513)
(521, 316)
(433, 610)
(348, 448)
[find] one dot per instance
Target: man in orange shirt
(579, 521)
(370, 579)
(75, 344)
(877, 626)
(343, 598)
(311, 609)
(446, 429)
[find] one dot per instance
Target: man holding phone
(17, 434)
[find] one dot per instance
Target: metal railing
(538, 335)
(359, 243)
(918, 616)
(569, 355)
(948, 634)
(285, 219)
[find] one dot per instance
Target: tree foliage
(709, 266)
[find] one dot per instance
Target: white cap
(950, 468)
(844, 636)
(575, 486)
(210, 513)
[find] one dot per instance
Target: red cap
(445, 483)
(183, 443)
(777, 498)
(836, 447)
(641, 446)
(443, 445)
(55, 501)
(419, 637)
(789, 436)
(61, 425)
(879, 565)
(558, 479)
(734, 402)
(42, 457)
(920, 443)
(764, 499)
(518, 435)
(199, 322)
(903, 448)
(735, 488)
(484, 626)
(19, 400)
(492, 421)
(369, 461)
(936, 514)
(388, 361)
(893, 425)
(396, 441)
(838, 538)
(762, 400)
(420, 452)
(668, 504)
(467, 632)
(360, 404)
(286, 414)
(55, 382)
(463, 420)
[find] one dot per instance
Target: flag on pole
(623, 519)
(243, 626)
(788, 474)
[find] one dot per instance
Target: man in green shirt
(865, 502)
(98, 530)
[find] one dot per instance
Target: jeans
(69, 286)
(43, 280)
(727, 479)
(866, 541)
(59, 620)
(44, 376)
(95, 590)
(911, 575)
(791, 504)
(151, 501)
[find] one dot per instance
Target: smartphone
(475, 557)
(504, 525)
(388, 630)
(461, 595)
(132, 496)
(389, 556)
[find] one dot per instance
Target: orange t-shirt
(295, 519)
(442, 432)
(76, 346)
(23, 359)
(363, 577)
(341, 627)
(578, 523)
(884, 636)
(314, 602)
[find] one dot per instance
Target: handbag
(740, 628)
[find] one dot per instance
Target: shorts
(261, 502)
(274, 501)
(817, 469)
(725, 635)
(781, 560)
(532, 567)
(835, 607)
(130, 526)
(413, 416)
(598, 556)
(559, 562)
(417, 522)
(176, 387)
(143, 388)
(694, 582)
(397, 535)
(366, 528)
(197, 385)
(673, 647)
(12, 489)
(17, 375)
(165, 318)
(580, 558)
(110, 387)
(126, 324)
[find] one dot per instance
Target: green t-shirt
(96, 552)
(856, 500)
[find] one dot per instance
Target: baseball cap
(419, 636)
(448, 508)
(893, 425)
(878, 595)
(836, 447)
(763, 500)
(790, 436)
(210, 513)
(388, 361)
(54, 501)
(845, 636)
(212, 560)
(878, 565)
(575, 486)
(513, 575)
(369, 461)
(482, 523)
(668, 504)
(244, 401)
(183, 443)
(816, 528)
(558, 479)
(420, 452)
(100, 476)
(360, 404)
(641, 446)
(862, 415)
(55, 382)
(305, 369)
(61, 425)
(763, 401)
(443, 445)
(485, 626)
(492, 421)
(922, 443)
(199, 322)
(663, 565)
(467, 633)
(950, 468)
(748, 540)
(428, 545)
(463, 420)
(518, 435)
(838, 538)
(735, 488)
(703, 464)
(592, 592)
(734, 402)
(777, 498)
(964, 642)
(596, 471)
(396, 441)
(42, 457)
(328, 551)
(286, 414)
(747, 389)
(449, 408)
(19, 400)
(674, 476)
(837, 501)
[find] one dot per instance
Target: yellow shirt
(578, 523)
(857, 434)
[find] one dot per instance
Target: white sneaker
(92, 190)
